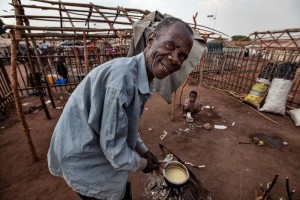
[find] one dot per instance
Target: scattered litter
(233, 123)
(59, 107)
(198, 125)
(149, 129)
(189, 117)
(260, 143)
(220, 127)
(146, 108)
(196, 166)
(285, 143)
(36, 110)
(48, 101)
(33, 109)
(207, 126)
(61, 97)
(164, 135)
(262, 139)
(192, 126)
(208, 107)
(186, 130)
(168, 158)
(25, 104)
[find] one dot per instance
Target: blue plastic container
(60, 82)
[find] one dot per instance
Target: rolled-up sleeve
(140, 146)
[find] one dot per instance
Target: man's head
(167, 47)
(193, 96)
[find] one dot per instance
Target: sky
(232, 17)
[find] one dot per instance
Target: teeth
(164, 66)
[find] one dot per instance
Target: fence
(232, 70)
(5, 90)
(63, 71)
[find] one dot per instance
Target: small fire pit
(158, 189)
(177, 183)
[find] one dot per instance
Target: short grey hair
(167, 22)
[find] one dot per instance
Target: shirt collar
(143, 85)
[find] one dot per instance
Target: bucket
(51, 79)
(60, 82)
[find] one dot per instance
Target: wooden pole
(14, 46)
(173, 105)
(182, 88)
(86, 56)
(15, 37)
(201, 74)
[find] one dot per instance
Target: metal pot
(175, 174)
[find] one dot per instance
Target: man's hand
(150, 166)
(152, 162)
(150, 155)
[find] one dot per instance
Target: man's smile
(165, 67)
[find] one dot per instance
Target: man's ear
(150, 39)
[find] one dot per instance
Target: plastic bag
(257, 92)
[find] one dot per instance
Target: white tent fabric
(4, 42)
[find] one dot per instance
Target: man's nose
(173, 56)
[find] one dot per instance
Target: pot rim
(180, 165)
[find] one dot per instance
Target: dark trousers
(126, 197)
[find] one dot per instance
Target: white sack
(295, 114)
(277, 96)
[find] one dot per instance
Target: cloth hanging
(165, 87)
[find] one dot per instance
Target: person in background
(96, 140)
(191, 104)
(44, 47)
(246, 53)
(61, 69)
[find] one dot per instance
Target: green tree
(240, 37)
(2, 30)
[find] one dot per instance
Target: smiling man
(167, 48)
(96, 141)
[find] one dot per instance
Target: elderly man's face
(165, 55)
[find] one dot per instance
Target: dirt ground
(232, 170)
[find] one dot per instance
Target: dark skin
(165, 54)
(192, 107)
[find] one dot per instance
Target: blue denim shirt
(96, 141)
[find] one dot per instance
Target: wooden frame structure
(287, 39)
(64, 21)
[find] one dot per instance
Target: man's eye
(170, 46)
(182, 58)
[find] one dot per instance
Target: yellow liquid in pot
(176, 175)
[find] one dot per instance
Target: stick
(290, 193)
(211, 87)
(268, 189)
